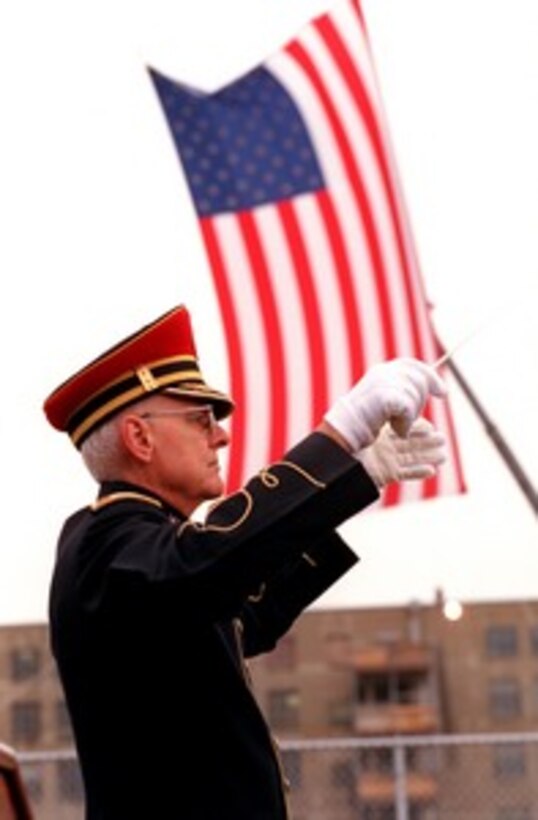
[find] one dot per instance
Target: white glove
(391, 458)
(393, 391)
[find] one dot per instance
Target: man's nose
(220, 436)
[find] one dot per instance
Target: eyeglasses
(203, 416)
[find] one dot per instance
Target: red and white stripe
(315, 289)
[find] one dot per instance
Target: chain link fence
(445, 777)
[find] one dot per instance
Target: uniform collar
(108, 489)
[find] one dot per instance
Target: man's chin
(215, 490)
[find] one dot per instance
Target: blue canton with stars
(241, 147)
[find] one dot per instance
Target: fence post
(400, 777)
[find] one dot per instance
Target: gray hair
(103, 452)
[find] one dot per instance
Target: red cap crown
(161, 356)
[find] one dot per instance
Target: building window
(534, 639)
(25, 663)
(504, 698)
(293, 769)
(284, 655)
(32, 777)
(401, 687)
(509, 760)
(25, 721)
(70, 788)
(381, 760)
(501, 641)
(284, 708)
(64, 731)
(374, 689)
(410, 687)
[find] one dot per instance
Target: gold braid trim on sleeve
(269, 480)
(222, 527)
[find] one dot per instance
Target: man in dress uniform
(152, 613)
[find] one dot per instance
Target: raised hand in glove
(393, 392)
(391, 458)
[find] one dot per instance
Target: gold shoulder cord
(113, 498)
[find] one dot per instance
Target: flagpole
(501, 445)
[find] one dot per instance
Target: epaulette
(126, 495)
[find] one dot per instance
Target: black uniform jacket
(152, 615)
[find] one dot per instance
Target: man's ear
(137, 437)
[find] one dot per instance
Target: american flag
(295, 186)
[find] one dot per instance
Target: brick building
(34, 718)
(408, 671)
(394, 671)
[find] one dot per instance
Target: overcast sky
(99, 237)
